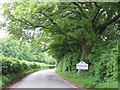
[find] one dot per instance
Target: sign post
(81, 66)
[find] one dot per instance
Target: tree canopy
(71, 32)
(80, 22)
(24, 51)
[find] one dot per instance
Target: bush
(68, 63)
(12, 65)
(105, 66)
(13, 68)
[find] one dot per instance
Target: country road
(43, 79)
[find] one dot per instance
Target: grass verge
(10, 79)
(87, 80)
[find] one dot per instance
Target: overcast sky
(5, 1)
(3, 33)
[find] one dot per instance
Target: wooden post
(78, 71)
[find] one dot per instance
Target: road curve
(43, 79)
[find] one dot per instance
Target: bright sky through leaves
(5, 1)
(3, 33)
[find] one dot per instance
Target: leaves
(63, 29)
(12, 65)
(24, 51)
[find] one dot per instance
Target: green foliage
(108, 85)
(68, 63)
(70, 32)
(13, 68)
(10, 47)
(85, 79)
(104, 63)
(14, 48)
(0, 81)
(81, 78)
(10, 78)
(12, 65)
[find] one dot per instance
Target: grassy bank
(9, 79)
(88, 81)
(13, 68)
(0, 82)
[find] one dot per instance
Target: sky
(3, 33)
(5, 1)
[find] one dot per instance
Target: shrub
(12, 65)
(68, 63)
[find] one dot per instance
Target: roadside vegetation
(88, 81)
(13, 68)
(19, 58)
(103, 68)
(69, 32)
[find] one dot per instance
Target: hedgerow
(12, 68)
(103, 63)
(68, 63)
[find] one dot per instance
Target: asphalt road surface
(43, 79)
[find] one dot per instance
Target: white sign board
(82, 65)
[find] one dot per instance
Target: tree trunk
(85, 51)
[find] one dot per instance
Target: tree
(24, 51)
(16, 49)
(81, 22)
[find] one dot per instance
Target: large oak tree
(81, 22)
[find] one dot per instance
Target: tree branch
(102, 27)
(60, 30)
(103, 35)
(95, 15)
(81, 10)
(94, 19)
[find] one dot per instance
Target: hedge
(12, 65)
(13, 68)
